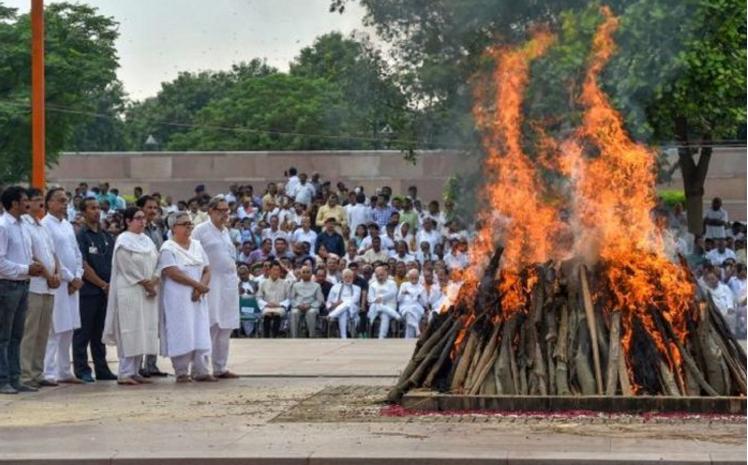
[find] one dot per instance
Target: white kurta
(411, 300)
(387, 291)
(223, 298)
(184, 324)
(66, 314)
(132, 317)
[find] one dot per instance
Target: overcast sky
(159, 38)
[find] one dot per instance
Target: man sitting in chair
(382, 300)
(306, 299)
(343, 301)
(273, 299)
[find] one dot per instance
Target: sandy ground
(282, 410)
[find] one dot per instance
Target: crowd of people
(87, 268)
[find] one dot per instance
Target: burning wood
(530, 320)
(497, 356)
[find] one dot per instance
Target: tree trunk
(694, 175)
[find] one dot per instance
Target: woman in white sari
(185, 319)
(132, 308)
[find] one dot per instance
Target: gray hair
(215, 201)
(172, 219)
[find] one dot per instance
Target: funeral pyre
(585, 305)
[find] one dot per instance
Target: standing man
(16, 266)
(223, 298)
(330, 238)
(155, 233)
(66, 311)
(96, 247)
(41, 294)
(715, 221)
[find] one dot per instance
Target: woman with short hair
(132, 308)
(185, 320)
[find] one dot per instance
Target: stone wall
(177, 173)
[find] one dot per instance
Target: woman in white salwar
(411, 302)
(185, 319)
(132, 308)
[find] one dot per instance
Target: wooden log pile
(562, 343)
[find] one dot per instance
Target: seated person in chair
(382, 301)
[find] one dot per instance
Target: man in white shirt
(382, 300)
(723, 299)
(387, 243)
(41, 294)
(428, 234)
(223, 298)
(343, 302)
(457, 257)
(273, 232)
(358, 213)
(304, 192)
(305, 233)
(66, 312)
(715, 221)
(16, 266)
(720, 253)
(293, 182)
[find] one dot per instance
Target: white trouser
(412, 329)
(219, 338)
(129, 366)
(341, 313)
(57, 356)
(385, 314)
(198, 359)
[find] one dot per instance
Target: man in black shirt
(330, 238)
(361, 282)
(96, 247)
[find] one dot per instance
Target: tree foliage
(81, 62)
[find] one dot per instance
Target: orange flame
(615, 198)
(518, 217)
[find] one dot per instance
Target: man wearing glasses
(223, 298)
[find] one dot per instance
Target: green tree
(174, 109)
(274, 112)
(375, 103)
(81, 61)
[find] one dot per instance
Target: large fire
(611, 200)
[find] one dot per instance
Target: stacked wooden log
(560, 343)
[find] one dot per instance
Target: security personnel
(96, 246)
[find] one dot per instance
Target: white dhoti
(197, 358)
(341, 313)
(385, 314)
(220, 339)
(57, 356)
(128, 366)
(412, 314)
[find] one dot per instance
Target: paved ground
(315, 402)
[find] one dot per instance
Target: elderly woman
(185, 320)
(411, 301)
(132, 308)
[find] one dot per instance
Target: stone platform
(319, 402)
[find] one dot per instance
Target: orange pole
(38, 155)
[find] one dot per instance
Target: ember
(606, 313)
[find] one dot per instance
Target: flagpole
(38, 155)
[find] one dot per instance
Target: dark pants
(93, 313)
(271, 325)
(13, 303)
